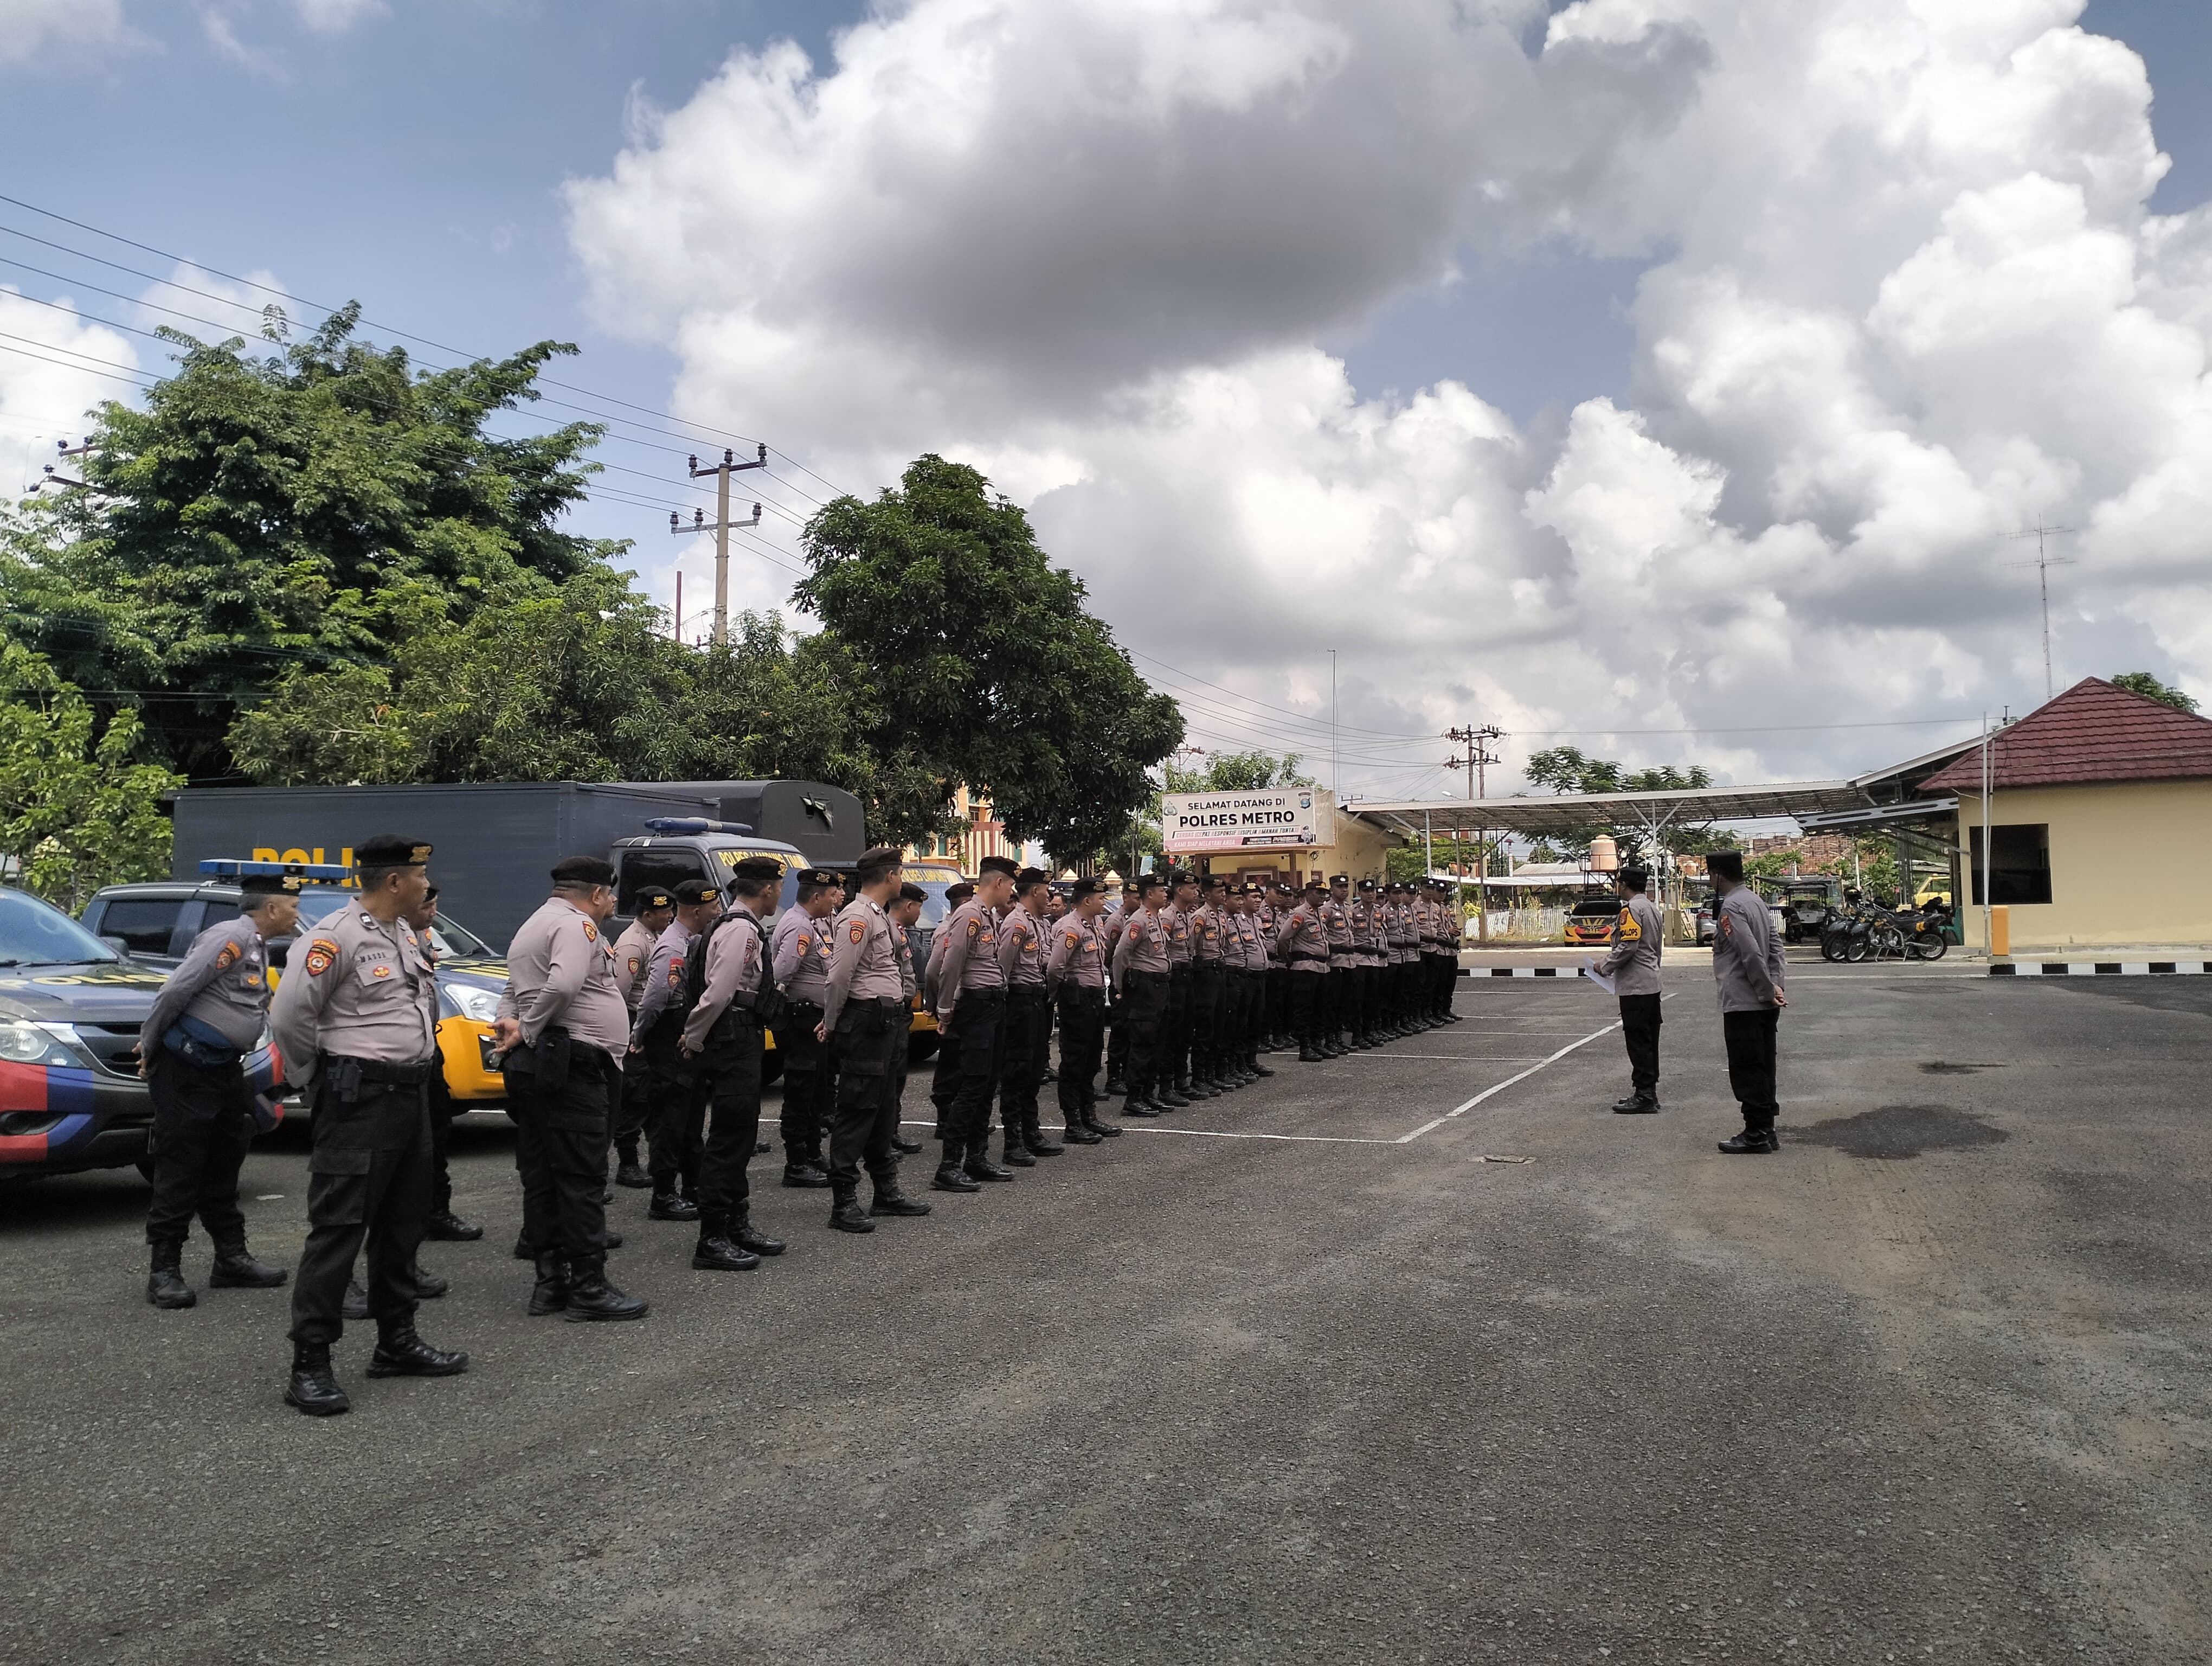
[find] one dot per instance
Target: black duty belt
(1022, 991)
(376, 1070)
(1308, 960)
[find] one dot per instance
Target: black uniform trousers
(675, 1117)
(637, 1105)
(203, 1124)
(1640, 1019)
(1028, 1036)
(1240, 1038)
(728, 1069)
(809, 1082)
(1277, 1021)
(869, 1037)
(1144, 1007)
(980, 1020)
(1209, 1016)
(1751, 1048)
(442, 1112)
(1310, 1001)
(369, 1178)
(1117, 1045)
(944, 1081)
(1082, 1028)
(1343, 994)
(1175, 1030)
(561, 1095)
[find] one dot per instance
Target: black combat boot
(522, 1250)
(447, 1227)
(552, 1293)
(746, 1236)
(1752, 1142)
(235, 1268)
(591, 1297)
(401, 1352)
(802, 1174)
(165, 1283)
(628, 1171)
(1309, 1054)
(1017, 1154)
(904, 1145)
(1140, 1103)
(1254, 1069)
(670, 1205)
(355, 1307)
(1115, 1088)
(950, 1177)
(979, 1166)
(1195, 1089)
(1034, 1138)
(890, 1200)
(1638, 1104)
(846, 1214)
(428, 1287)
(716, 1252)
(312, 1389)
(1170, 1095)
(1078, 1132)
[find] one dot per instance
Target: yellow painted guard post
(2000, 930)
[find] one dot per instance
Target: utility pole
(1477, 764)
(2044, 561)
(1332, 722)
(720, 528)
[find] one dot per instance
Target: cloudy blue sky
(1664, 375)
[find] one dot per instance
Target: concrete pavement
(1929, 1385)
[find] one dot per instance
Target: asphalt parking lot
(1298, 1375)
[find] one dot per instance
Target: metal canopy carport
(1694, 806)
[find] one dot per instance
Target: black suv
(70, 1009)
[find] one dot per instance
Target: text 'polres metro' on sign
(1293, 817)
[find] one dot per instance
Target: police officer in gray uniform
(723, 1036)
(971, 1009)
(209, 1016)
(673, 1114)
(863, 1022)
(1633, 966)
(656, 908)
(905, 914)
(1025, 946)
(1075, 978)
(355, 1019)
(563, 1029)
(1747, 971)
(800, 951)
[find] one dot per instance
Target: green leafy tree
(979, 659)
(1238, 772)
(1570, 769)
(79, 809)
(265, 514)
(2142, 683)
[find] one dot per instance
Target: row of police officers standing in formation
(657, 1039)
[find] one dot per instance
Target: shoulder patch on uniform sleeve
(975, 926)
(590, 933)
(227, 957)
(676, 971)
(1630, 932)
(633, 966)
(322, 953)
(857, 932)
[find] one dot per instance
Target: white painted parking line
(1462, 1110)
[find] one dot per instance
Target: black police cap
(1029, 877)
(271, 884)
(1083, 888)
(1726, 864)
(655, 896)
(583, 871)
(692, 892)
(1005, 865)
(959, 893)
(911, 892)
(390, 850)
(876, 862)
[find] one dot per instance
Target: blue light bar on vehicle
(678, 826)
(231, 868)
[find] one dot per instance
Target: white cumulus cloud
(1903, 296)
(53, 362)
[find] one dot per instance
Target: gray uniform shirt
(358, 989)
(633, 955)
(1206, 946)
(1141, 944)
(909, 983)
(664, 978)
(800, 950)
(1747, 953)
(733, 964)
(863, 959)
(1077, 954)
(1633, 963)
(967, 956)
(1304, 939)
(1022, 948)
(222, 981)
(561, 971)
(1336, 923)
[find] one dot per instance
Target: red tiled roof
(2092, 732)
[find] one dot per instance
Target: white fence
(1521, 924)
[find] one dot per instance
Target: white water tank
(1604, 854)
